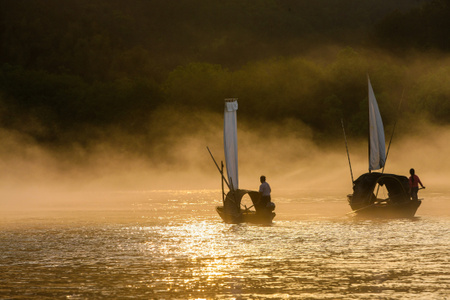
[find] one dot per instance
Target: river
(172, 245)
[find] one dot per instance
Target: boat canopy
(396, 185)
(232, 203)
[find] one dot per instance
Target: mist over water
(34, 178)
(119, 225)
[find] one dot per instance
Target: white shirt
(264, 189)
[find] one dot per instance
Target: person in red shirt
(414, 182)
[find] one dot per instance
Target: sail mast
(368, 128)
(348, 154)
(393, 129)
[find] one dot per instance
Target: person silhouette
(414, 182)
(265, 190)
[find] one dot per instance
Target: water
(172, 245)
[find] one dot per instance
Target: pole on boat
(223, 177)
(223, 192)
(346, 147)
(368, 128)
(221, 171)
(393, 130)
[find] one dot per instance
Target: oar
(354, 211)
(362, 208)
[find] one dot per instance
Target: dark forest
(76, 72)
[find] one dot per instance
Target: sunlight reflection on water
(172, 245)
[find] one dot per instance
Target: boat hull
(246, 216)
(364, 201)
(388, 210)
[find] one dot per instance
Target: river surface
(173, 245)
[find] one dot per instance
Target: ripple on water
(179, 257)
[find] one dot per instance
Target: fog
(33, 178)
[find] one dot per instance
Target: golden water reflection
(172, 245)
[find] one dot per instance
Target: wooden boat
(364, 200)
(398, 204)
(232, 211)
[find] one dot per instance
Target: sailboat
(232, 211)
(365, 199)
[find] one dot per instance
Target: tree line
(70, 72)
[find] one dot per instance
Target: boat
(232, 211)
(365, 200)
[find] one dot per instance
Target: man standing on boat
(414, 182)
(264, 189)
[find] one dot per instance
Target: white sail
(377, 147)
(230, 142)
